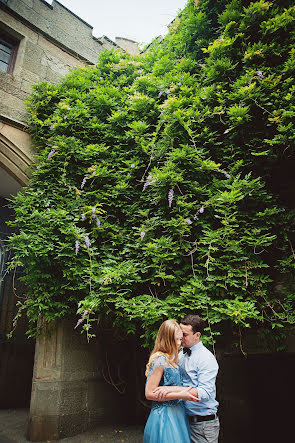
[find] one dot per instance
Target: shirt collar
(196, 346)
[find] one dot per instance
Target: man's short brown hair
(196, 322)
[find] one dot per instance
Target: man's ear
(198, 334)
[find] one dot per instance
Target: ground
(13, 424)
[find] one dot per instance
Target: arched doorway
(17, 353)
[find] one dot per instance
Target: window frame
(15, 45)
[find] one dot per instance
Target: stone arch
(16, 155)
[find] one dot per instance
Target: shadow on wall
(256, 395)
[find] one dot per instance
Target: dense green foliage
(153, 195)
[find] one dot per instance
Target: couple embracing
(182, 386)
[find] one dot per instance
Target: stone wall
(60, 25)
(69, 393)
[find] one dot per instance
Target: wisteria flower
(132, 165)
(65, 117)
(201, 210)
(87, 241)
(83, 216)
(51, 127)
(93, 216)
(85, 313)
(83, 182)
(160, 94)
(188, 220)
(170, 197)
(98, 222)
(260, 74)
(51, 153)
(196, 217)
(179, 83)
(93, 209)
(77, 246)
(227, 175)
(142, 234)
(38, 167)
(68, 108)
(78, 322)
(148, 182)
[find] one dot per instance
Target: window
(8, 51)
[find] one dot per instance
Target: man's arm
(206, 378)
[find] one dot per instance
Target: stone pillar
(69, 394)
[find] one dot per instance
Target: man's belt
(198, 418)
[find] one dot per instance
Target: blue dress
(167, 422)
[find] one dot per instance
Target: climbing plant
(153, 193)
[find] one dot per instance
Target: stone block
(43, 428)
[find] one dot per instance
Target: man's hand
(187, 395)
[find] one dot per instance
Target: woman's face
(178, 337)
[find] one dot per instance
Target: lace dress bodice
(172, 376)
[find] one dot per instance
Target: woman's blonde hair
(165, 344)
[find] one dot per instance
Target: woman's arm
(170, 394)
(162, 392)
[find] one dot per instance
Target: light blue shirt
(200, 370)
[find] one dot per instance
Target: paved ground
(13, 423)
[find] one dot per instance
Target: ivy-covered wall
(153, 193)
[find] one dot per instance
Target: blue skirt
(167, 423)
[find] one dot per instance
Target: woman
(167, 422)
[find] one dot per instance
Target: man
(200, 369)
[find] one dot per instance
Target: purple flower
(142, 234)
(136, 78)
(38, 167)
(51, 127)
(140, 71)
(98, 222)
(65, 117)
(179, 83)
(78, 322)
(259, 74)
(87, 241)
(68, 108)
(51, 153)
(148, 182)
(93, 209)
(83, 216)
(227, 175)
(85, 313)
(170, 197)
(181, 77)
(201, 210)
(83, 182)
(132, 165)
(160, 94)
(188, 220)
(196, 217)
(93, 216)
(77, 246)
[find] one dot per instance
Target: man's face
(189, 339)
